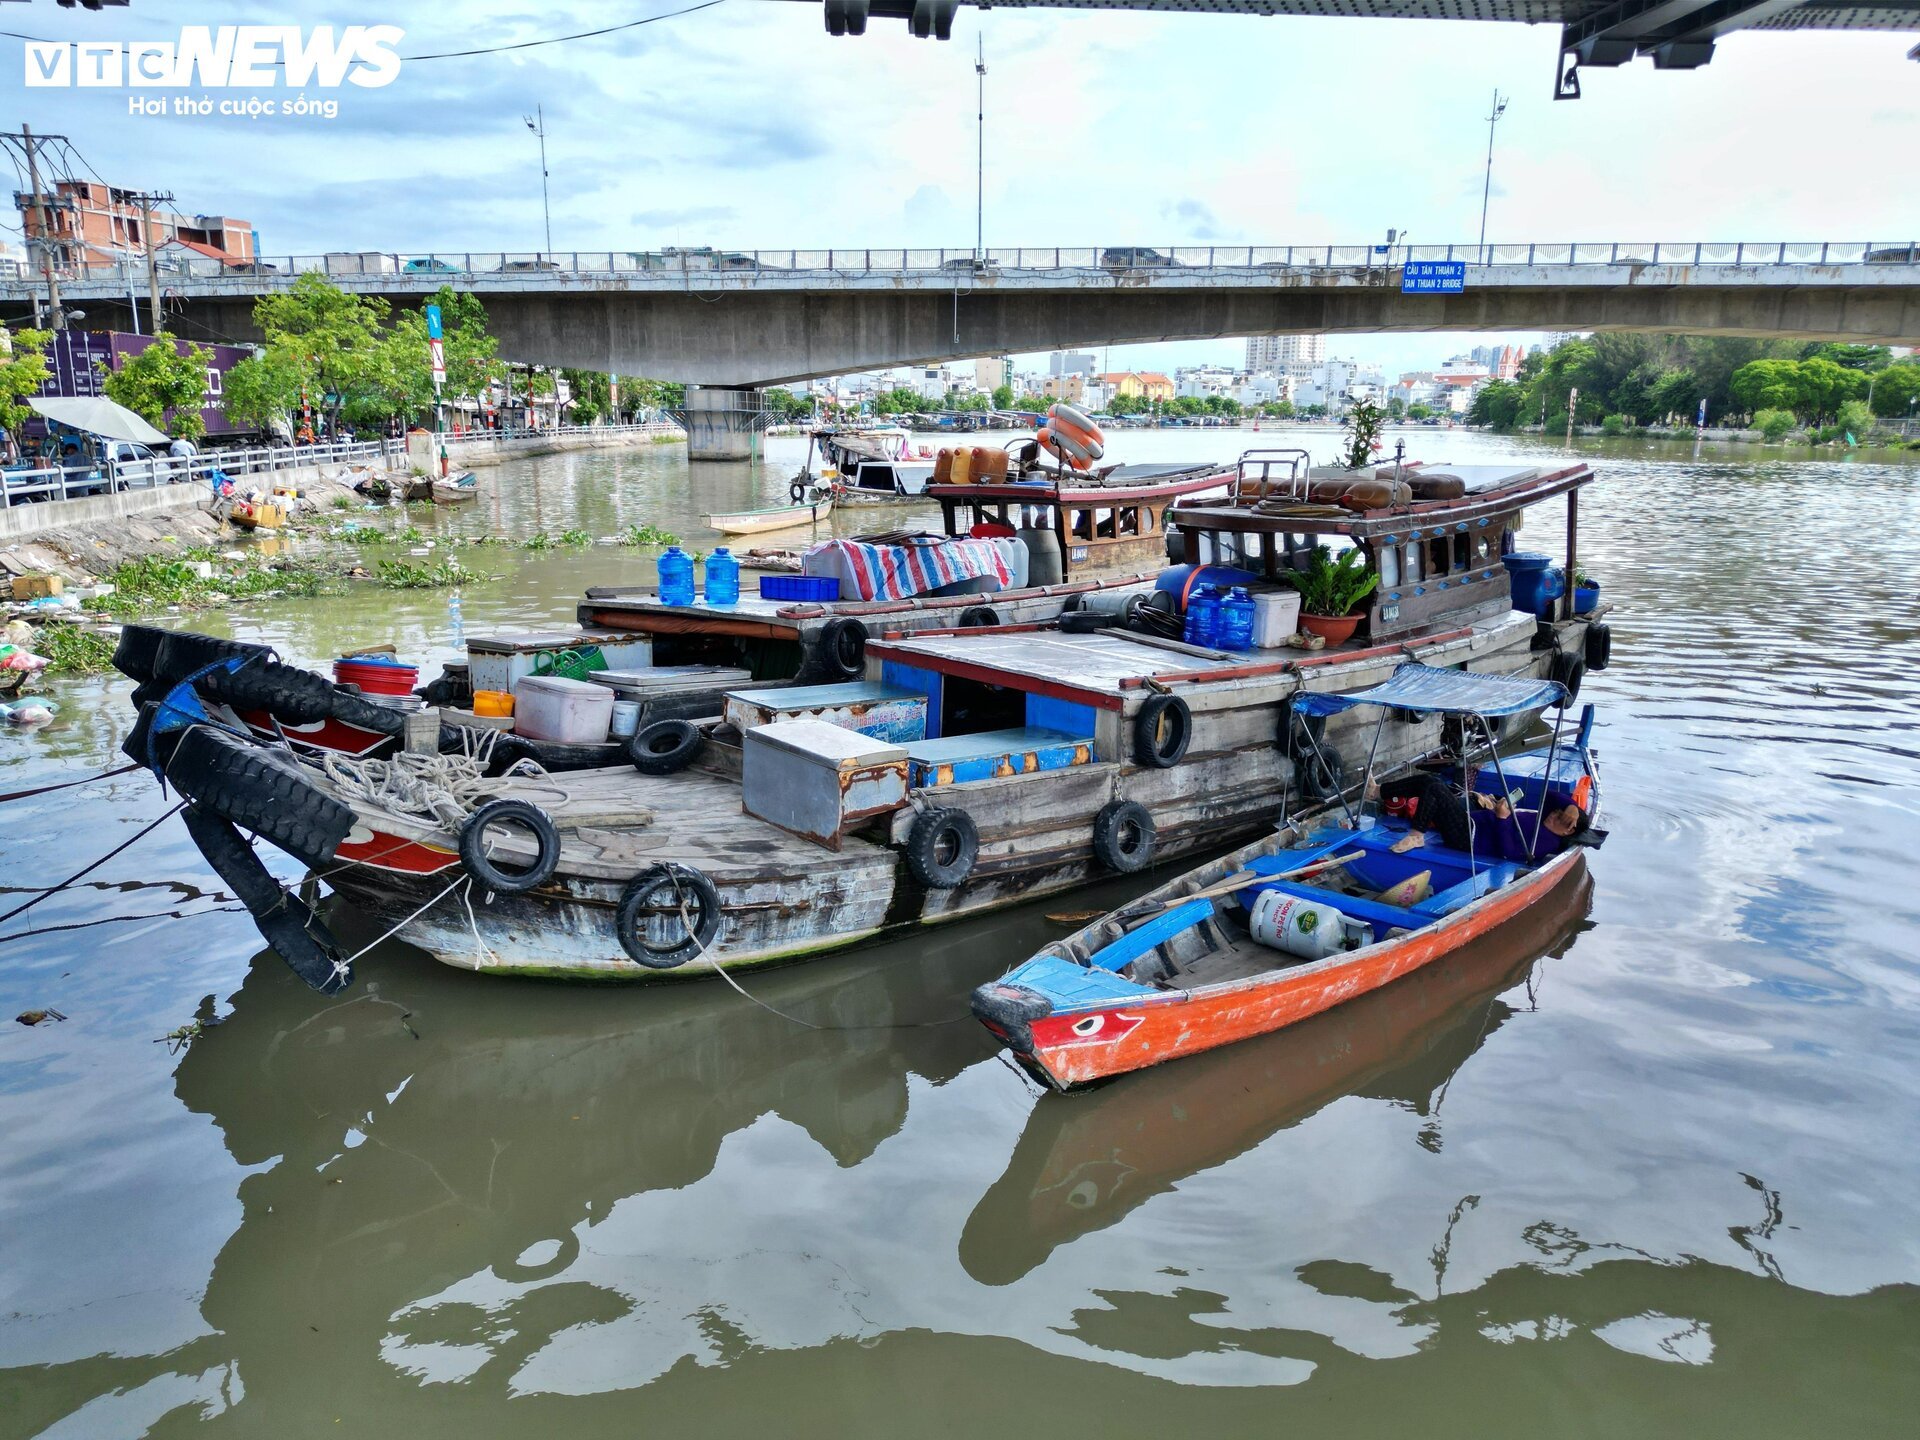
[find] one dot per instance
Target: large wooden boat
(1297, 923)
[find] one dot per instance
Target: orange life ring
(1065, 448)
(1067, 421)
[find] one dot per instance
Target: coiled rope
(444, 788)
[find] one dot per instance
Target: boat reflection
(1085, 1161)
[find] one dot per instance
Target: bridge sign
(1433, 277)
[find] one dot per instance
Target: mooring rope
(89, 869)
(69, 784)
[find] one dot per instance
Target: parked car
(133, 464)
(1894, 255)
(1134, 257)
(522, 266)
(969, 265)
(427, 265)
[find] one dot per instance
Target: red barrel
(376, 675)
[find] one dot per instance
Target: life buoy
(685, 898)
(480, 865)
(1124, 836)
(1065, 448)
(1068, 424)
(941, 848)
(1161, 731)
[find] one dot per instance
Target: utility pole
(148, 199)
(540, 128)
(1486, 190)
(28, 143)
(980, 157)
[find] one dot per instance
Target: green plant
(403, 575)
(1330, 587)
(541, 541)
(575, 539)
(1773, 425)
(344, 502)
(74, 650)
(1618, 425)
(1365, 421)
(1855, 418)
(649, 536)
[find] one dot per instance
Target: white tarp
(98, 417)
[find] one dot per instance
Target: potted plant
(1586, 591)
(1330, 590)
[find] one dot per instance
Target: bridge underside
(760, 337)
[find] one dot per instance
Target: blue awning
(1442, 692)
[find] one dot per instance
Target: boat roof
(1122, 482)
(1430, 691)
(1098, 669)
(1491, 490)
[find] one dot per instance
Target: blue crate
(799, 587)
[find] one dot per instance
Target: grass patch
(537, 542)
(648, 536)
(74, 650)
(152, 583)
(403, 575)
(345, 502)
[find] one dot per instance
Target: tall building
(1285, 352)
(100, 225)
(1072, 362)
(989, 375)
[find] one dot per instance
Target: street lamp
(1486, 190)
(539, 127)
(980, 156)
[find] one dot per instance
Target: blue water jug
(1236, 620)
(1203, 617)
(723, 578)
(676, 576)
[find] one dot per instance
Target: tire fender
(473, 846)
(285, 922)
(1124, 836)
(1161, 732)
(941, 848)
(1599, 650)
(843, 648)
(1567, 670)
(664, 747)
(976, 617)
(678, 888)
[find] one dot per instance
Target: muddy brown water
(1647, 1167)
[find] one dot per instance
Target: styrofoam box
(573, 712)
(1275, 617)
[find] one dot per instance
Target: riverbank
(477, 448)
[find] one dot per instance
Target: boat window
(1388, 564)
(1462, 553)
(968, 707)
(1413, 571)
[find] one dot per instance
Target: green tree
(1823, 386)
(1003, 397)
(1773, 425)
(262, 392)
(1498, 405)
(164, 384)
(1676, 392)
(1895, 388)
(786, 406)
(1854, 418)
(590, 395)
(1033, 404)
(335, 338)
(23, 370)
(1852, 357)
(1767, 385)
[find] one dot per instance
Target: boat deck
(1107, 663)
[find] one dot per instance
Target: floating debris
(38, 1017)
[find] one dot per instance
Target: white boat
(777, 517)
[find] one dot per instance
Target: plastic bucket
(1535, 583)
(1180, 581)
(376, 675)
(626, 719)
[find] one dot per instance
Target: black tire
(482, 867)
(1322, 774)
(1161, 732)
(284, 920)
(138, 652)
(552, 754)
(1568, 670)
(797, 492)
(262, 790)
(1599, 646)
(941, 848)
(665, 746)
(147, 693)
(843, 648)
(297, 697)
(1124, 836)
(978, 617)
(181, 653)
(667, 889)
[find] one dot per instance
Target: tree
(786, 406)
(1676, 392)
(1417, 411)
(1767, 385)
(590, 395)
(637, 394)
(1003, 397)
(1851, 357)
(1895, 387)
(1034, 404)
(164, 384)
(1773, 425)
(1497, 406)
(262, 392)
(335, 338)
(23, 370)
(1824, 386)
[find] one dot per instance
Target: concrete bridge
(742, 320)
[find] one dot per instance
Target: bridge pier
(723, 422)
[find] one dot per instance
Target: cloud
(1197, 220)
(693, 214)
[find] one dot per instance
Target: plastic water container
(1180, 581)
(1236, 620)
(1306, 928)
(676, 576)
(1203, 617)
(723, 578)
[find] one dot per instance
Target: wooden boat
(1297, 923)
(1026, 752)
(457, 491)
(778, 517)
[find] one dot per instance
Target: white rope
(442, 788)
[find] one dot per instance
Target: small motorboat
(814, 507)
(1293, 925)
(458, 490)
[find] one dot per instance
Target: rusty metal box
(884, 712)
(818, 780)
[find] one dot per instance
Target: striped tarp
(896, 571)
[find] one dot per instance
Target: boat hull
(761, 522)
(1091, 1045)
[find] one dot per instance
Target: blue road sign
(1433, 277)
(433, 322)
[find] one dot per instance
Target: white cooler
(573, 712)
(1275, 617)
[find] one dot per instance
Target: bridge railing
(1131, 259)
(73, 482)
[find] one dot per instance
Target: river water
(1649, 1168)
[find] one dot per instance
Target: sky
(745, 126)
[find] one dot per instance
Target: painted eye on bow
(1089, 1026)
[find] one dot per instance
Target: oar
(1249, 877)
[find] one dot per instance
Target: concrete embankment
(84, 539)
(468, 451)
